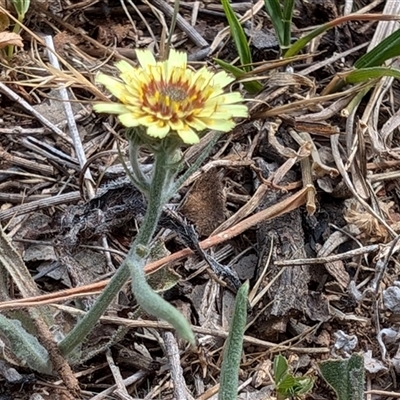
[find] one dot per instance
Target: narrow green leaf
(391, 43)
(385, 50)
(288, 7)
(365, 74)
(251, 86)
(233, 347)
(302, 42)
(274, 11)
(238, 35)
(281, 369)
(25, 346)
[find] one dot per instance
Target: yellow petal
(197, 124)
(228, 98)
(177, 61)
(131, 78)
(125, 67)
(176, 125)
(239, 110)
(128, 120)
(156, 72)
(219, 125)
(113, 85)
(188, 136)
(110, 108)
(177, 58)
(158, 131)
(233, 110)
(145, 58)
(207, 111)
(222, 79)
(202, 78)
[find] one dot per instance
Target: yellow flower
(167, 97)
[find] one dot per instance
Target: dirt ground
(317, 172)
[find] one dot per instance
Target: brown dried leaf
(205, 203)
(10, 38)
(369, 226)
(4, 22)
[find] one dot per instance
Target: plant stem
(133, 265)
(142, 181)
(85, 325)
(145, 296)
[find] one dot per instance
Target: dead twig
(285, 206)
(172, 352)
(324, 260)
(121, 388)
(182, 24)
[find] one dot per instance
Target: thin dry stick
(172, 350)
(24, 163)
(302, 104)
(371, 115)
(13, 96)
(182, 24)
(40, 204)
(116, 374)
(349, 184)
(159, 325)
(285, 206)
(246, 210)
(324, 260)
(136, 377)
(11, 261)
(107, 51)
(50, 152)
(73, 130)
(384, 393)
(369, 7)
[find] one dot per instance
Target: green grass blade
(274, 11)
(251, 86)
(302, 42)
(365, 74)
(392, 42)
(388, 48)
(288, 8)
(238, 35)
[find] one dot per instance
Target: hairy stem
(142, 181)
(133, 265)
(149, 300)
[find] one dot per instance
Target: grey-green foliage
(233, 347)
(25, 346)
(346, 377)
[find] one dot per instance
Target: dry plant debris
(302, 199)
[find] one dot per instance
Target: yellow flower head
(168, 97)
